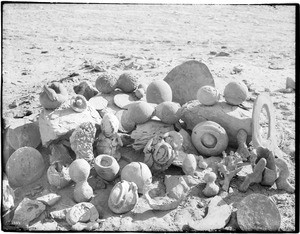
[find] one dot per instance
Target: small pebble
(222, 54)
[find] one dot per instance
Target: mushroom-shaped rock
(127, 82)
(211, 189)
(83, 192)
(58, 175)
(138, 173)
(109, 125)
(78, 103)
(140, 112)
(106, 83)
(25, 166)
(123, 197)
(209, 138)
(158, 91)
(186, 79)
(82, 140)
(168, 112)
(208, 95)
(53, 96)
(23, 133)
(79, 170)
(106, 167)
(235, 93)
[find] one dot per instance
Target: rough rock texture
(25, 166)
(217, 217)
(231, 118)
(85, 89)
(258, 212)
(186, 79)
(57, 123)
(27, 211)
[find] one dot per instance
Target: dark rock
(257, 212)
(186, 79)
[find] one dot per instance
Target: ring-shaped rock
(263, 101)
(209, 138)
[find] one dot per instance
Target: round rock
(25, 166)
(257, 212)
(186, 79)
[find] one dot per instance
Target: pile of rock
(179, 120)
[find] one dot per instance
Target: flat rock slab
(49, 199)
(257, 212)
(27, 211)
(122, 100)
(231, 118)
(186, 79)
(218, 215)
(54, 124)
(98, 102)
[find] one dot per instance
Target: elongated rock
(231, 118)
(62, 121)
(217, 217)
(257, 212)
(186, 79)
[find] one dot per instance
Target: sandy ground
(43, 43)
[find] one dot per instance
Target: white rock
(49, 199)
(217, 217)
(57, 123)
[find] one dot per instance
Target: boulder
(186, 79)
(231, 118)
(257, 212)
(55, 124)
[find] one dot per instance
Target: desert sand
(56, 42)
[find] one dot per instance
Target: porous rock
(57, 123)
(231, 118)
(218, 215)
(186, 79)
(257, 212)
(27, 211)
